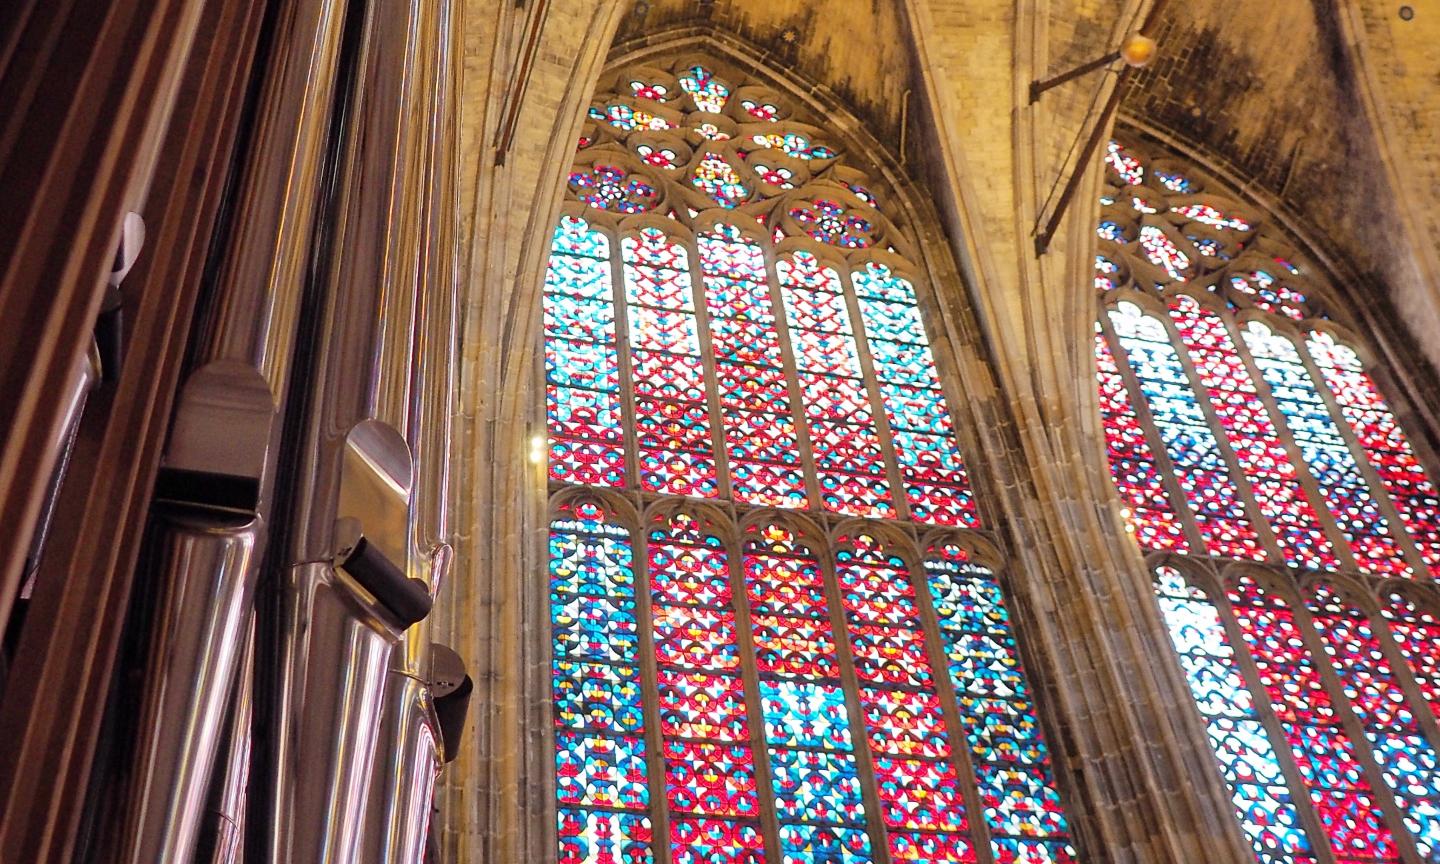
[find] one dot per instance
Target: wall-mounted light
(1138, 51)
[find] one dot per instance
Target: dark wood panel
(50, 717)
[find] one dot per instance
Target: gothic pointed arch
(792, 644)
(1292, 518)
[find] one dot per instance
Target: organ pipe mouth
(450, 686)
(407, 600)
(208, 490)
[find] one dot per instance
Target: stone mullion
(899, 493)
(1265, 712)
(1239, 479)
(1400, 530)
(1349, 718)
(875, 825)
(790, 365)
(1319, 503)
(720, 449)
(654, 740)
(950, 707)
(1185, 511)
(626, 363)
(750, 678)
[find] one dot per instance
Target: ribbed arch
(1292, 518)
(802, 680)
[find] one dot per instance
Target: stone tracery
(1258, 461)
(732, 318)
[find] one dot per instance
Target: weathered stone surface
(1327, 111)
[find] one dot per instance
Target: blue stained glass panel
(1246, 758)
(598, 707)
(1324, 450)
(823, 844)
(937, 485)
(1194, 450)
(1012, 768)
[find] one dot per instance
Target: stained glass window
(1278, 494)
(600, 755)
(755, 659)
(1248, 759)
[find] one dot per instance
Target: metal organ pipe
(218, 469)
(356, 753)
(206, 562)
(220, 841)
(326, 439)
(409, 757)
(87, 374)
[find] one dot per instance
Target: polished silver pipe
(405, 773)
(338, 626)
(338, 629)
(410, 752)
(200, 629)
(250, 336)
(383, 382)
(219, 462)
(259, 289)
(87, 375)
(334, 670)
(221, 844)
(436, 376)
(365, 345)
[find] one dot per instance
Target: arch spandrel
(827, 257)
(631, 226)
(978, 547)
(707, 517)
(617, 509)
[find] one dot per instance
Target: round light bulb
(1138, 50)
